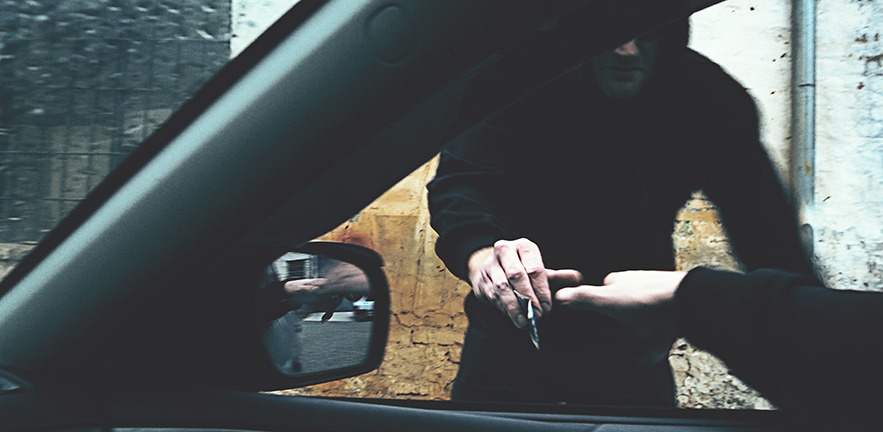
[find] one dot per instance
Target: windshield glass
(84, 83)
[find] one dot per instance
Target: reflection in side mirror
(322, 316)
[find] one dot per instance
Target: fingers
(618, 290)
(587, 297)
(511, 265)
(493, 286)
(522, 263)
(304, 285)
(563, 278)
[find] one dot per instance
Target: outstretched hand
(639, 297)
(304, 286)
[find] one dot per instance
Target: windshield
(84, 83)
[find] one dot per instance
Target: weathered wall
(752, 40)
(848, 214)
(427, 310)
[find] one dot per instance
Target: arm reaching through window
(812, 350)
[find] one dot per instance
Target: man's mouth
(624, 68)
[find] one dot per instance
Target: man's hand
(495, 272)
(640, 297)
(304, 286)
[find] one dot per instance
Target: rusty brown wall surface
(702, 379)
(426, 301)
(428, 322)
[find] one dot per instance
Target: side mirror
(326, 310)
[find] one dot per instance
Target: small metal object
(527, 307)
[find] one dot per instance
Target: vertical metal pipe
(803, 114)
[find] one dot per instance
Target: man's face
(623, 71)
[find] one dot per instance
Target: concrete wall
(849, 152)
(752, 40)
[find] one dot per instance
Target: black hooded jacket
(597, 183)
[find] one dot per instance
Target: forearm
(804, 346)
(466, 210)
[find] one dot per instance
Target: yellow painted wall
(427, 322)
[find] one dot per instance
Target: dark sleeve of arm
(273, 302)
(805, 347)
(468, 195)
(761, 224)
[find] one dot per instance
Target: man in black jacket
(588, 174)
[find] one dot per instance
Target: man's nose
(629, 48)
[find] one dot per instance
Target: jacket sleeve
(743, 183)
(469, 196)
(807, 348)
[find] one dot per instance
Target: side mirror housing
(323, 313)
(230, 323)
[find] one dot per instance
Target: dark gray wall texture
(82, 83)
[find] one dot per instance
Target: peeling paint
(876, 58)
